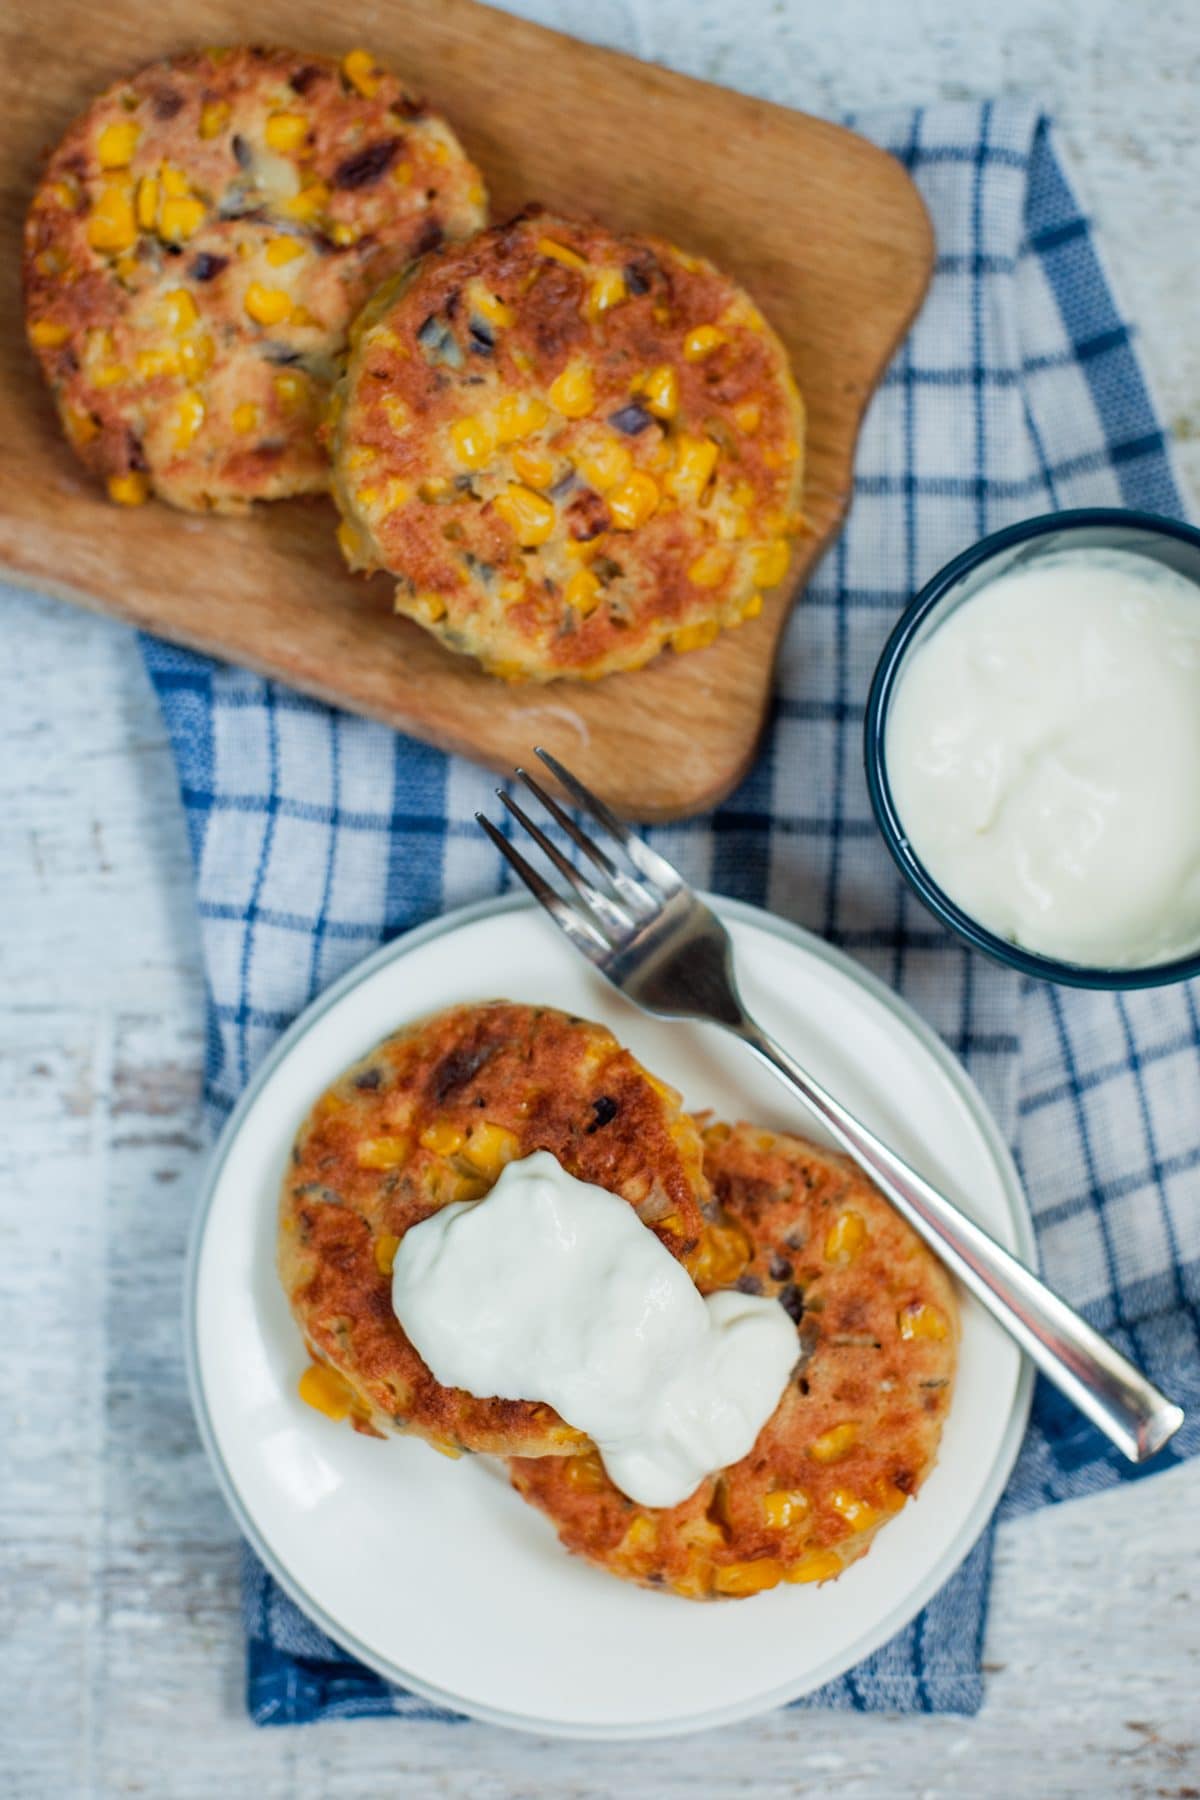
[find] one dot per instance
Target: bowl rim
(883, 685)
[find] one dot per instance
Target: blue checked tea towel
(317, 836)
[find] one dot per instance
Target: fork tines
(595, 918)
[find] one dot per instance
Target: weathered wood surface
(117, 1594)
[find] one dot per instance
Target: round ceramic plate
(433, 1571)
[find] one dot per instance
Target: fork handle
(1103, 1384)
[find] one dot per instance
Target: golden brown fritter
(858, 1427)
(570, 448)
(431, 1116)
(196, 249)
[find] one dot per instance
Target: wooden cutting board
(826, 232)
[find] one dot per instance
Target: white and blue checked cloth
(317, 836)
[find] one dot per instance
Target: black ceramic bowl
(1166, 541)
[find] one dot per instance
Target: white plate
(433, 1571)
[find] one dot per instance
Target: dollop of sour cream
(1043, 749)
(552, 1289)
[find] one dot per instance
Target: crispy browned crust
(555, 1083)
(384, 179)
(855, 1367)
(415, 502)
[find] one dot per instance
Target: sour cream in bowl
(1033, 748)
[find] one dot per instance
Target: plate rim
(900, 1615)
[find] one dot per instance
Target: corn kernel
(442, 1138)
(473, 443)
(695, 637)
(147, 202)
(720, 1257)
(586, 1472)
(444, 1448)
(195, 356)
(63, 193)
(81, 427)
(517, 416)
(286, 131)
(583, 592)
(112, 225)
(605, 464)
(710, 568)
(489, 306)
(856, 1512)
(128, 490)
(383, 1152)
(189, 417)
(607, 290)
(326, 1391)
(281, 250)
(292, 390)
(753, 607)
(695, 460)
(116, 144)
(174, 181)
(47, 334)
(179, 219)
(530, 517)
(179, 311)
(771, 562)
(395, 412)
(430, 607)
(152, 363)
(214, 117)
(489, 1148)
(536, 468)
(920, 1321)
(740, 1578)
(784, 1507)
(308, 204)
(396, 493)
(660, 390)
(748, 417)
(571, 259)
(818, 1565)
(702, 342)
(834, 1443)
(386, 1247)
(358, 66)
(573, 392)
(641, 1535)
(110, 375)
(434, 488)
(267, 306)
(633, 502)
(244, 418)
(343, 234)
(845, 1238)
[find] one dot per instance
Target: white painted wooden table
(122, 1671)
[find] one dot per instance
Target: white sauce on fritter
(1044, 755)
(552, 1289)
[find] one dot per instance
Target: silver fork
(656, 940)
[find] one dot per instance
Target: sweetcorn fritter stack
(858, 1427)
(431, 1116)
(570, 448)
(196, 249)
